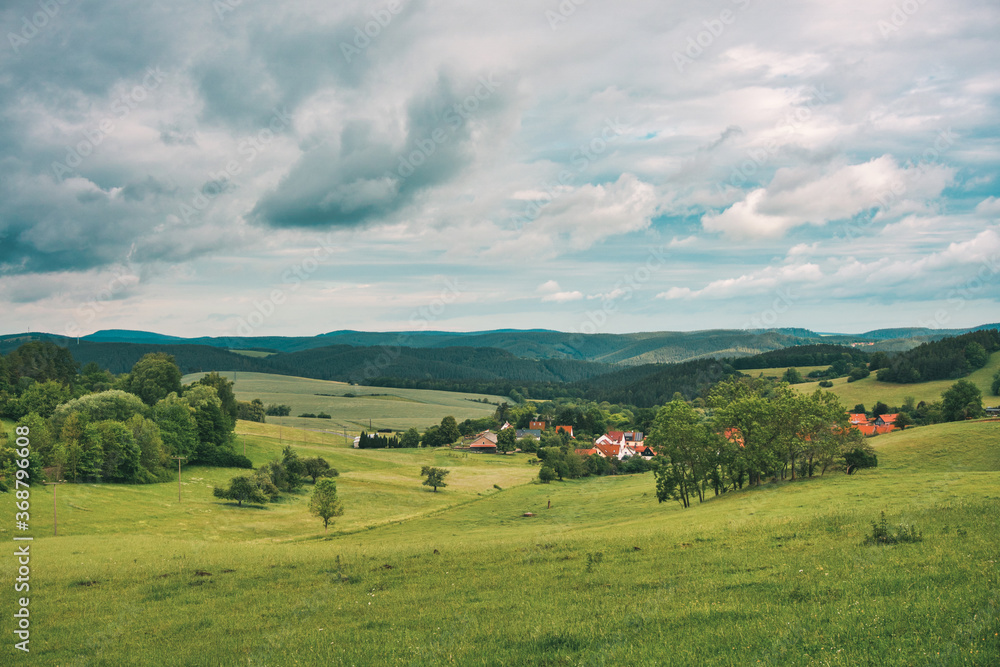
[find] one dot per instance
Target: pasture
(870, 390)
(772, 575)
(354, 408)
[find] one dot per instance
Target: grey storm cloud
(362, 175)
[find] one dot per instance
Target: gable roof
(858, 418)
(585, 452)
(889, 419)
(608, 451)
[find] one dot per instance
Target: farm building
(485, 442)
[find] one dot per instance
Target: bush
(859, 373)
(881, 535)
(308, 414)
(827, 383)
(221, 458)
(323, 415)
(546, 474)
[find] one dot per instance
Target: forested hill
(946, 359)
(346, 363)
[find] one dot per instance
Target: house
(506, 425)
(866, 429)
(884, 428)
(609, 451)
(885, 420)
(485, 442)
(525, 432)
(858, 418)
(586, 452)
(567, 429)
(536, 426)
(643, 450)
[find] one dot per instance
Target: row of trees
(285, 475)
(95, 426)
(946, 359)
(754, 429)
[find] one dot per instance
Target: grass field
(870, 390)
(606, 576)
(382, 407)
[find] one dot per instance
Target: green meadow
(604, 576)
(353, 407)
(870, 390)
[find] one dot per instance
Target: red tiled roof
(887, 428)
(889, 419)
(568, 429)
(585, 452)
(608, 450)
(859, 418)
(733, 435)
(866, 429)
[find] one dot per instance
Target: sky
(233, 167)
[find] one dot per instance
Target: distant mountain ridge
(540, 344)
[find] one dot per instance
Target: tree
(121, 454)
(152, 458)
(435, 477)
(178, 428)
(242, 487)
(449, 432)
(324, 502)
(680, 441)
(792, 376)
(42, 398)
(224, 390)
(858, 373)
(962, 401)
(410, 439)
(903, 419)
(154, 377)
(860, 457)
(506, 440)
(317, 467)
(995, 387)
(546, 474)
(251, 411)
(41, 361)
(976, 355)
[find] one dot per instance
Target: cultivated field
(776, 575)
(382, 407)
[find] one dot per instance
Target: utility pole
(244, 444)
(55, 525)
(179, 472)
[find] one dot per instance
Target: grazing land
(352, 407)
(777, 574)
(870, 390)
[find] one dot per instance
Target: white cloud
(562, 297)
(805, 196)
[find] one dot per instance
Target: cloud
(798, 197)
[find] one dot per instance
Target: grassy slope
(870, 390)
(776, 575)
(397, 409)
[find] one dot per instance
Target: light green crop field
(775, 575)
(259, 354)
(778, 372)
(870, 390)
(382, 407)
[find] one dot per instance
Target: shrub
(827, 383)
(903, 533)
